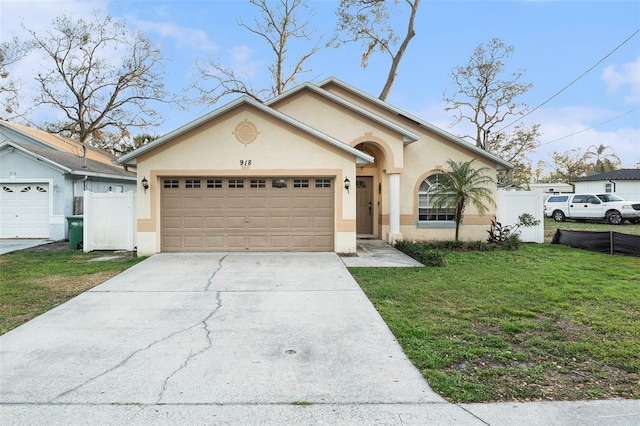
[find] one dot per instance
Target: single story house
(551, 188)
(625, 183)
(309, 170)
(43, 177)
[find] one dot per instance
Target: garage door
(24, 210)
(247, 214)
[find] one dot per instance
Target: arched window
(427, 211)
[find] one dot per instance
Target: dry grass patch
(34, 281)
(75, 284)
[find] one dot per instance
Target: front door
(364, 205)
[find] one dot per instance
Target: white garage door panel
(24, 210)
(247, 214)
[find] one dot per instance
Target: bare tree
(367, 21)
(279, 23)
(100, 75)
(11, 51)
(514, 148)
(482, 96)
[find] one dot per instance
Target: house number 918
(245, 162)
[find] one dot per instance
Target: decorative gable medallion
(246, 132)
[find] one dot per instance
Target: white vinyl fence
(109, 221)
(511, 204)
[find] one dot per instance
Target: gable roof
(622, 174)
(71, 163)
(53, 141)
(430, 127)
(361, 157)
(408, 135)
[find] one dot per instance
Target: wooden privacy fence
(511, 204)
(109, 221)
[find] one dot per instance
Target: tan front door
(247, 214)
(364, 205)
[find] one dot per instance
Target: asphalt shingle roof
(622, 174)
(76, 163)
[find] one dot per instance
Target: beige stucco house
(310, 170)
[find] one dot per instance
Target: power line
(589, 128)
(574, 81)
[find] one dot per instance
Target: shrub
(478, 246)
(508, 235)
(422, 252)
(512, 242)
(432, 258)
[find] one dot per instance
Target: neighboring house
(43, 176)
(306, 171)
(625, 183)
(551, 188)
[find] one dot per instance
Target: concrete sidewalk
(242, 338)
(374, 253)
(8, 245)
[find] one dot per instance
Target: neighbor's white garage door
(252, 214)
(24, 210)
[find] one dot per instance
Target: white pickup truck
(592, 206)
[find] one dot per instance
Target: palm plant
(604, 161)
(461, 185)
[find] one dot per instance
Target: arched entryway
(370, 180)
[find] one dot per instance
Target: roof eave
(500, 163)
(407, 135)
(361, 157)
(102, 175)
(37, 157)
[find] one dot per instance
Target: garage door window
(279, 183)
(214, 183)
(301, 183)
(171, 183)
(236, 183)
(258, 183)
(323, 183)
(192, 183)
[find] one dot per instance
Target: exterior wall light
(145, 184)
(347, 184)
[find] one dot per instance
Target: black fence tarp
(603, 242)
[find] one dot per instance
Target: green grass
(32, 282)
(542, 323)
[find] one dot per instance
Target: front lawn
(32, 282)
(546, 322)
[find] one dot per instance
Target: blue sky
(555, 42)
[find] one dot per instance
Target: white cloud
(185, 37)
(556, 125)
(626, 74)
(242, 61)
(37, 15)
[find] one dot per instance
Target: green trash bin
(76, 227)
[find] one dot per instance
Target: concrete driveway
(242, 339)
(8, 245)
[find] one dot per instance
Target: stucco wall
(344, 124)
(431, 151)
